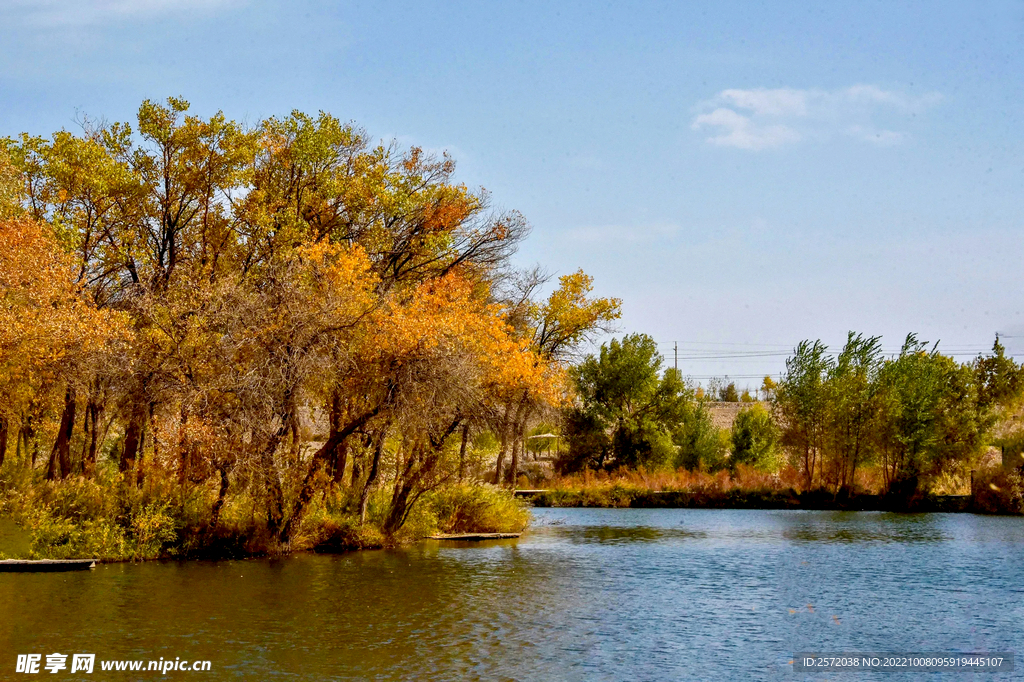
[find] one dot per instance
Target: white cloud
(763, 118)
(58, 13)
(899, 100)
(740, 131)
(778, 102)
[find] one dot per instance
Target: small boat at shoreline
(45, 565)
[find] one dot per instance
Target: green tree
(699, 442)
(1000, 380)
(627, 407)
(932, 417)
(754, 439)
(728, 393)
(851, 411)
(800, 401)
(911, 387)
(919, 415)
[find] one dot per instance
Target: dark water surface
(586, 594)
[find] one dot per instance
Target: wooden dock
(473, 536)
(45, 565)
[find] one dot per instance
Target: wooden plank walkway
(474, 536)
(45, 565)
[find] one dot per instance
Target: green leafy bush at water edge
(478, 509)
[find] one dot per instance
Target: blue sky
(743, 175)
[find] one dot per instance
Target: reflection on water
(626, 534)
(14, 540)
(869, 527)
(587, 594)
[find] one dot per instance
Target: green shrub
(701, 445)
(147, 535)
(477, 509)
(343, 534)
(754, 439)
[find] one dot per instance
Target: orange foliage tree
(281, 309)
(49, 334)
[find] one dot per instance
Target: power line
(767, 344)
(755, 356)
(733, 376)
(724, 343)
(696, 353)
(735, 355)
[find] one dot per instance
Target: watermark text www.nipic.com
(86, 663)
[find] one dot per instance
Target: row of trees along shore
(915, 421)
(209, 329)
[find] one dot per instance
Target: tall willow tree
(800, 402)
(916, 415)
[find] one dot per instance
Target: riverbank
(81, 518)
(743, 499)
(992, 491)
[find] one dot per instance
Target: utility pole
(675, 350)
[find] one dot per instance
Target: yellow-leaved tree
(48, 331)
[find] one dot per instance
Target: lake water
(586, 594)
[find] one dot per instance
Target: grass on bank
(620, 488)
(996, 490)
(110, 520)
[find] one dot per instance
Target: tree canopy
(192, 297)
(627, 407)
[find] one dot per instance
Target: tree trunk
(89, 465)
(504, 428)
(4, 428)
(295, 427)
(185, 448)
(404, 485)
(321, 457)
(91, 429)
(513, 469)
(518, 427)
(421, 463)
(221, 496)
(338, 458)
(132, 441)
(357, 467)
(85, 439)
(809, 464)
(154, 436)
(340, 462)
(272, 480)
(59, 465)
(140, 460)
(499, 465)
(371, 478)
(462, 452)
(28, 435)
